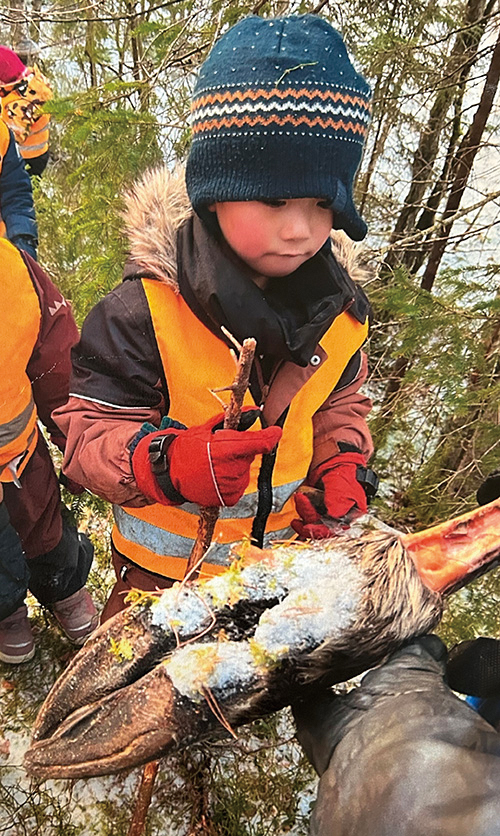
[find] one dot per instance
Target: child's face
(275, 237)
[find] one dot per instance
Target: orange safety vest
(4, 145)
(159, 537)
(21, 317)
(37, 141)
(20, 102)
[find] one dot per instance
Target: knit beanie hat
(11, 67)
(279, 112)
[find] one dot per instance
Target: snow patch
(318, 591)
(181, 610)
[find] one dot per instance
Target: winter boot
(16, 638)
(76, 615)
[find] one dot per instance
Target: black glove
(402, 754)
(474, 667)
(489, 489)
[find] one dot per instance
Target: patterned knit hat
(279, 112)
(11, 67)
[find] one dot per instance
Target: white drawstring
(212, 472)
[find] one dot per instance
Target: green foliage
(258, 794)
(473, 612)
(103, 146)
(448, 397)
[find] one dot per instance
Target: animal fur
(395, 607)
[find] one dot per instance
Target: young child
(22, 91)
(279, 119)
(40, 548)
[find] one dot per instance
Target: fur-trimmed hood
(157, 206)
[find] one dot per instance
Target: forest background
(122, 71)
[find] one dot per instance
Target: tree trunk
(454, 76)
(460, 168)
(18, 21)
(462, 165)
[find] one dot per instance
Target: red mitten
(202, 464)
(344, 498)
(311, 525)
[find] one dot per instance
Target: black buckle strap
(369, 480)
(159, 467)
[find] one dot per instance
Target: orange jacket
(38, 331)
(20, 326)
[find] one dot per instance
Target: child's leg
(16, 638)
(59, 558)
(35, 508)
(14, 573)
(63, 570)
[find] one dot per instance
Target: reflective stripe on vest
(139, 539)
(32, 136)
(20, 326)
(195, 361)
(37, 141)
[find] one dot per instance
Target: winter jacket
(38, 333)
(119, 378)
(17, 213)
(402, 754)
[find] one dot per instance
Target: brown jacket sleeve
(49, 368)
(343, 417)
(97, 451)
(115, 387)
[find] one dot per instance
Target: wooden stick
(206, 525)
(210, 514)
(143, 799)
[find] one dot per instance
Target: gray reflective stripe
(166, 544)
(13, 429)
(247, 505)
(14, 465)
(108, 403)
(33, 147)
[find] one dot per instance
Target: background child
(22, 91)
(47, 555)
(279, 119)
(17, 212)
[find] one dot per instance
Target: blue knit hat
(279, 112)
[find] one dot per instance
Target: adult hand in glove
(206, 464)
(402, 754)
(344, 497)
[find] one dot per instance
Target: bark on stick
(210, 514)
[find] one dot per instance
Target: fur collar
(158, 205)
